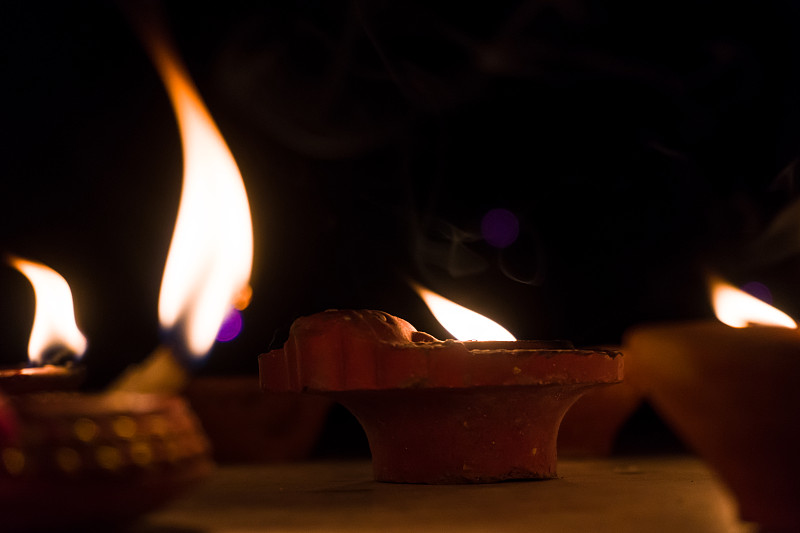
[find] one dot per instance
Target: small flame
(461, 322)
(210, 258)
(54, 320)
(739, 309)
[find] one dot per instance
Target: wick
(161, 372)
(58, 355)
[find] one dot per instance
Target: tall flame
(211, 254)
(464, 324)
(738, 309)
(54, 319)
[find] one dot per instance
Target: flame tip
(462, 323)
(739, 309)
(210, 257)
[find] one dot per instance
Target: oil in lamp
(729, 388)
(441, 411)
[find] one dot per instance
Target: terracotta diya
(281, 427)
(733, 396)
(731, 392)
(440, 411)
(591, 425)
(71, 460)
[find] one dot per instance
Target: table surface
(653, 494)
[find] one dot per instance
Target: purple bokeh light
(500, 227)
(759, 290)
(231, 326)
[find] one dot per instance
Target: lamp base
(449, 436)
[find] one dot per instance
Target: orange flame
(54, 318)
(210, 258)
(464, 324)
(738, 309)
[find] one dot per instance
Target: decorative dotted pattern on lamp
(106, 444)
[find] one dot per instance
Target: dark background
(637, 143)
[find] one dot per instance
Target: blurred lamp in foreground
(729, 390)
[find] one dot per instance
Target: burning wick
(55, 337)
(211, 254)
(739, 309)
(464, 324)
(56, 344)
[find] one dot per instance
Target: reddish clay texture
(440, 411)
(24, 380)
(590, 427)
(97, 460)
(466, 435)
(280, 427)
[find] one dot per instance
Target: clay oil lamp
(730, 389)
(56, 344)
(72, 459)
(280, 427)
(441, 411)
(84, 453)
(69, 460)
(591, 426)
